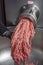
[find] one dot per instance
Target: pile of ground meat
(20, 41)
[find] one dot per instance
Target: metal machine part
(31, 11)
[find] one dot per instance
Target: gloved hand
(4, 31)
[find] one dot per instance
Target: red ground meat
(20, 41)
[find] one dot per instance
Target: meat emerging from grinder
(20, 40)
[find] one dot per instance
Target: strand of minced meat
(20, 40)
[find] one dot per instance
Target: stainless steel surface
(5, 57)
(36, 52)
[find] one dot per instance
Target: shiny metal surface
(36, 51)
(5, 54)
(5, 57)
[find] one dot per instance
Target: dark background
(12, 7)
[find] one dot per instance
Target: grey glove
(4, 31)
